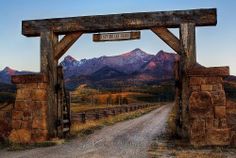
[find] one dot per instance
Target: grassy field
(86, 95)
(114, 98)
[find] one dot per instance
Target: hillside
(134, 71)
(132, 68)
(7, 72)
(131, 71)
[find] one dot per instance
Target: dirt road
(129, 139)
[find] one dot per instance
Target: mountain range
(134, 68)
(7, 72)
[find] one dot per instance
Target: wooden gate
(63, 105)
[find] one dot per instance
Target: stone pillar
(29, 117)
(207, 107)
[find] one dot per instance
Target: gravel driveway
(128, 139)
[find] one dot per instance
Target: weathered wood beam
(187, 62)
(48, 41)
(66, 42)
(188, 44)
(168, 37)
(120, 22)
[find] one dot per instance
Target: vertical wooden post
(48, 66)
(177, 104)
(187, 61)
(97, 116)
(105, 113)
(83, 117)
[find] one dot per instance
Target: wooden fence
(96, 114)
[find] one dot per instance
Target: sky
(215, 44)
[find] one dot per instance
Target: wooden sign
(118, 36)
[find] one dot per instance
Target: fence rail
(96, 114)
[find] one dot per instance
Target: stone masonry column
(207, 107)
(29, 117)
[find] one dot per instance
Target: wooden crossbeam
(120, 22)
(66, 42)
(168, 37)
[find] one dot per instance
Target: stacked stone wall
(29, 116)
(207, 107)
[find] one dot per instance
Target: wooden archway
(51, 49)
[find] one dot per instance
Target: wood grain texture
(66, 42)
(188, 60)
(117, 36)
(120, 22)
(48, 65)
(168, 37)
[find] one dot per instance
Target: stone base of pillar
(207, 107)
(29, 116)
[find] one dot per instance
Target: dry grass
(80, 108)
(199, 154)
(90, 126)
(130, 96)
(171, 122)
(101, 98)
(19, 146)
(193, 153)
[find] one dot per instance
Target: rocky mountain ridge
(134, 67)
(7, 72)
(131, 68)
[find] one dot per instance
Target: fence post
(114, 112)
(105, 113)
(83, 117)
(97, 115)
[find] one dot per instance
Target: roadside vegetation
(171, 129)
